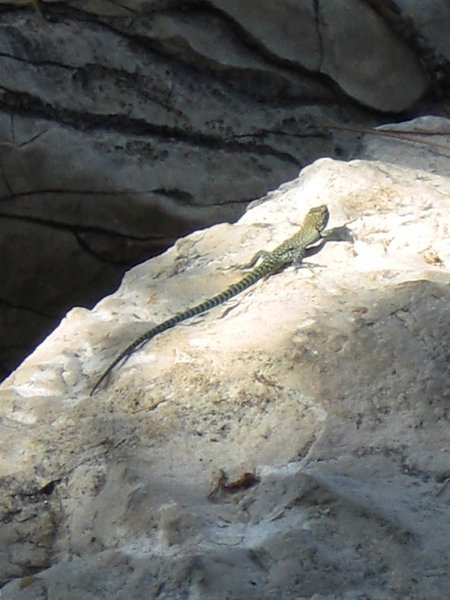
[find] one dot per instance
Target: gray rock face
(345, 40)
(124, 126)
(422, 143)
(292, 443)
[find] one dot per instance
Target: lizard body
(290, 252)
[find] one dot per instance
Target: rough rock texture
(293, 443)
(126, 125)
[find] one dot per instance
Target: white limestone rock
(326, 390)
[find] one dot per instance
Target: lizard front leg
(294, 256)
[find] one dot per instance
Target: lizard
(290, 252)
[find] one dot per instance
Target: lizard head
(317, 217)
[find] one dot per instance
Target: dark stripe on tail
(264, 269)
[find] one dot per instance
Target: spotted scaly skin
(290, 252)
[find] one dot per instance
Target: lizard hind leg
(261, 255)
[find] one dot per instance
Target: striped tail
(264, 269)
